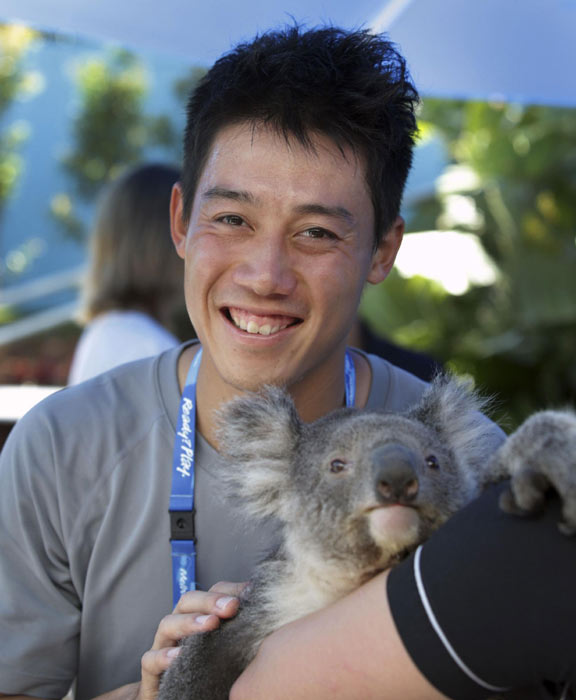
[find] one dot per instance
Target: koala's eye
(337, 466)
(432, 462)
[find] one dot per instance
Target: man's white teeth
(254, 328)
(266, 329)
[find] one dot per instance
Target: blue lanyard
(350, 380)
(182, 535)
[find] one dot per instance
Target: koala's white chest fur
(308, 584)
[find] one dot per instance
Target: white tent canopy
(521, 50)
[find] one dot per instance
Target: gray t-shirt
(85, 572)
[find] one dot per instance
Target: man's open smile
(259, 324)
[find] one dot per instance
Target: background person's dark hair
(352, 86)
(133, 264)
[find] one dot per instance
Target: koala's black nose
(394, 472)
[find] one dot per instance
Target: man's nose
(267, 268)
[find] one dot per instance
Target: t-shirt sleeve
(39, 607)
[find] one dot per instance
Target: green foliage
(109, 130)
(15, 83)
(516, 177)
(15, 41)
(112, 130)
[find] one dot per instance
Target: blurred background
(486, 278)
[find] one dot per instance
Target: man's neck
(313, 398)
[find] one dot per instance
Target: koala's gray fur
(540, 456)
(332, 484)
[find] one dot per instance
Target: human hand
(538, 456)
(196, 611)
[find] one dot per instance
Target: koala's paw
(526, 494)
(541, 456)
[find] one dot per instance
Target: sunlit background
(485, 280)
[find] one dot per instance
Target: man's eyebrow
(342, 213)
(323, 210)
(225, 193)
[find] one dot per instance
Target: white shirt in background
(116, 337)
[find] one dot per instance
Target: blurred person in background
(133, 289)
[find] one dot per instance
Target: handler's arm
(349, 651)
(486, 605)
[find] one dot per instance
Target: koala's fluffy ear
(257, 435)
(452, 408)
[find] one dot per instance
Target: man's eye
(318, 233)
(231, 220)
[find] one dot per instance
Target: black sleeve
(489, 602)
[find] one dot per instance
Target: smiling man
(296, 153)
(278, 246)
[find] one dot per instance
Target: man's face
(278, 247)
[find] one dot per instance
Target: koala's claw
(567, 529)
(508, 504)
(528, 489)
(567, 525)
(538, 458)
(528, 505)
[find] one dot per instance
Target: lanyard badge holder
(182, 534)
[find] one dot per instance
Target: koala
(355, 492)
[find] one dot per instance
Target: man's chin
(255, 383)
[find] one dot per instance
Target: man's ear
(178, 227)
(384, 256)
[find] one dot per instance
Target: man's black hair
(351, 86)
